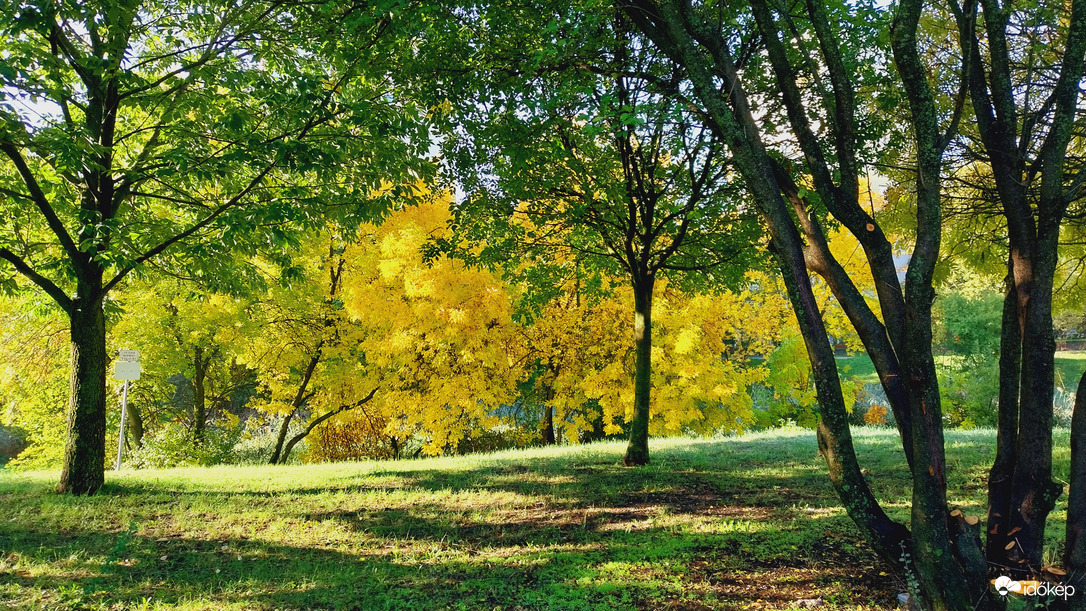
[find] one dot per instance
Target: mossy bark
(637, 451)
(84, 453)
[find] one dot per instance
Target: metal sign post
(126, 368)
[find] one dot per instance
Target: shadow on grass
(555, 566)
(717, 525)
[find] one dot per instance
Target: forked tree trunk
(637, 451)
(300, 397)
(281, 438)
(1034, 493)
(84, 453)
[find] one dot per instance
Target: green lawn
(744, 522)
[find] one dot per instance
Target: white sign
(126, 370)
(129, 356)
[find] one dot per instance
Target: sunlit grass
(718, 523)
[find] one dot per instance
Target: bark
(84, 452)
(135, 425)
(999, 478)
(1031, 194)
(637, 452)
(199, 394)
(946, 569)
(1075, 551)
(870, 329)
(1034, 493)
(300, 397)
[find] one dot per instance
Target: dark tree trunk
(1075, 551)
(673, 27)
(300, 397)
(548, 424)
(637, 452)
(1034, 202)
(199, 394)
(1034, 493)
(84, 453)
(548, 408)
(999, 478)
(135, 425)
(281, 439)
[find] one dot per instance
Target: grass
(741, 522)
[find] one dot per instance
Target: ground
(731, 523)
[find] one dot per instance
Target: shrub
(172, 446)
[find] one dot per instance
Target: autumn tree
(145, 132)
(586, 155)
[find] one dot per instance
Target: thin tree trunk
(84, 452)
(300, 398)
(317, 421)
(135, 425)
(548, 410)
(199, 394)
(281, 438)
(637, 451)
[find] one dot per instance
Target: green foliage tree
(147, 132)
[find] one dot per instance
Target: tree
(145, 132)
(595, 162)
(189, 341)
(1024, 72)
(942, 554)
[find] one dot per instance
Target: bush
(172, 446)
(871, 407)
(969, 392)
(355, 439)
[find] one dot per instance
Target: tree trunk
(317, 421)
(637, 452)
(84, 452)
(135, 425)
(281, 439)
(548, 411)
(199, 394)
(300, 397)
(999, 478)
(1075, 551)
(548, 424)
(1034, 493)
